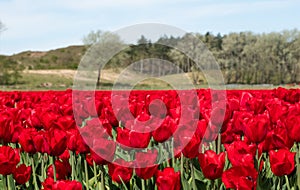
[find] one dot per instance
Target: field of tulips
(202, 139)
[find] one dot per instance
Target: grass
(60, 80)
(31, 81)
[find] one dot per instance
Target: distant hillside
(62, 58)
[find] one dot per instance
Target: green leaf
(200, 185)
(198, 175)
(264, 183)
(1, 184)
(185, 184)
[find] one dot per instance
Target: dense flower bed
(248, 139)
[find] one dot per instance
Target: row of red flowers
(240, 139)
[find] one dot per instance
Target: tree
(9, 71)
(92, 38)
(143, 47)
(104, 43)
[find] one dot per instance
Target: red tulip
(49, 184)
(65, 156)
(132, 138)
(293, 126)
(240, 178)
(65, 122)
(212, 164)
(240, 153)
(16, 131)
(89, 159)
(103, 151)
(282, 162)
(101, 127)
(256, 128)
(277, 109)
(67, 185)
(165, 130)
(108, 114)
(48, 119)
(239, 120)
(168, 179)
(63, 169)
(187, 140)
(145, 163)
(58, 142)
(82, 144)
(26, 140)
(5, 123)
(220, 114)
(72, 139)
(277, 139)
(22, 174)
(244, 98)
(118, 172)
(257, 105)
(228, 136)
(41, 142)
(9, 158)
(33, 120)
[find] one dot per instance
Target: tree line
(244, 57)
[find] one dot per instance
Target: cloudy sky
(44, 25)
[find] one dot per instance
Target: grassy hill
(62, 58)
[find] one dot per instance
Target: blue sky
(43, 25)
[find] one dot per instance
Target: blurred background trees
(244, 57)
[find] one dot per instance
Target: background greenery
(244, 58)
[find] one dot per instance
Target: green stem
(72, 165)
(218, 181)
(193, 176)
(143, 184)
(214, 147)
(278, 185)
(43, 167)
(95, 171)
(86, 174)
(172, 152)
(181, 166)
(287, 182)
(257, 159)
(212, 184)
(33, 174)
(131, 182)
(10, 183)
(4, 182)
(102, 178)
(54, 168)
(219, 143)
(168, 163)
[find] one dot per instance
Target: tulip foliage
(247, 139)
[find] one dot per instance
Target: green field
(63, 79)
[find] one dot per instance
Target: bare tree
(104, 43)
(2, 27)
